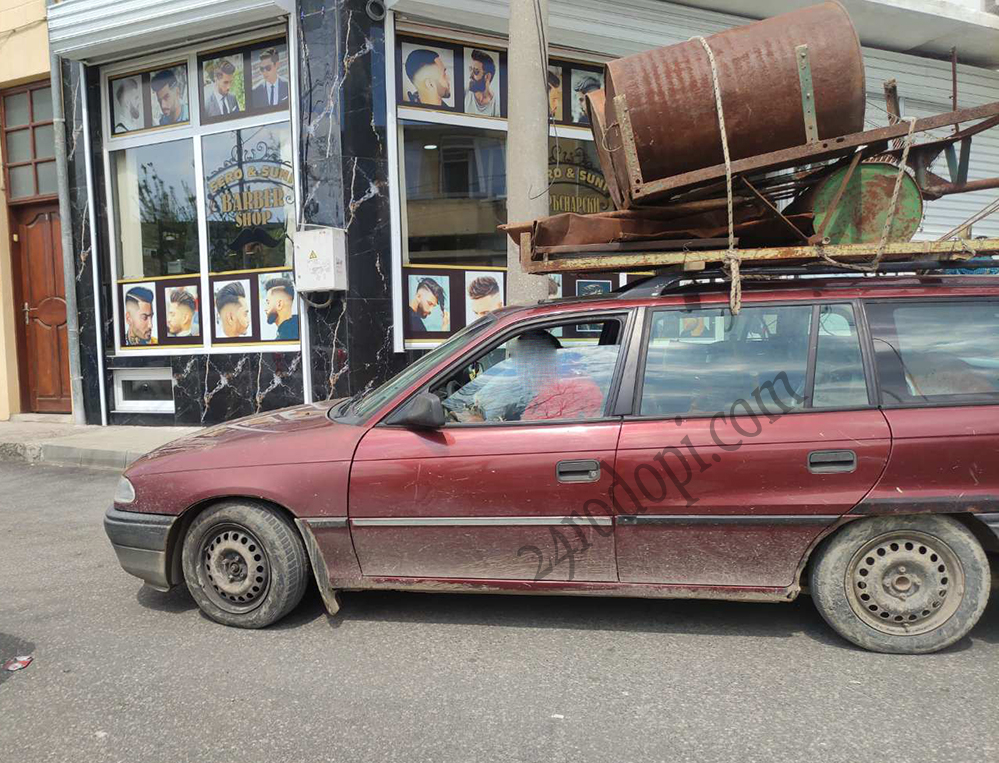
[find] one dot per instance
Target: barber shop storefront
(202, 149)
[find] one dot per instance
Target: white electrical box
(320, 259)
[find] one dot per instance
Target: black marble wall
(344, 182)
(73, 82)
(344, 174)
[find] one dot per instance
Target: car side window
(936, 352)
(540, 374)
(705, 361)
(839, 366)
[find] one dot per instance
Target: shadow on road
(12, 646)
(177, 599)
(678, 616)
(588, 613)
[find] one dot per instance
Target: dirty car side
(636, 500)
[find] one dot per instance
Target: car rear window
(937, 352)
(704, 361)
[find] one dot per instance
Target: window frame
(30, 127)
(194, 131)
(121, 375)
(912, 301)
(815, 305)
(628, 317)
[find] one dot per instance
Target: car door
(498, 492)
(751, 435)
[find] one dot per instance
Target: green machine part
(859, 217)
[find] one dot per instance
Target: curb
(66, 455)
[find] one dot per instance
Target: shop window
(156, 210)
(455, 180)
(250, 197)
(203, 213)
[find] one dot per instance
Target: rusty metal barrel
(670, 96)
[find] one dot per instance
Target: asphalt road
(124, 673)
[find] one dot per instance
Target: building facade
(28, 218)
(193, 168)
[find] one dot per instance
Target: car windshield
(375, 399)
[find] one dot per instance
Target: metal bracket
(628, 142)
(807, 94)
(958, 168)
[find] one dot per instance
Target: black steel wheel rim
(235, 568)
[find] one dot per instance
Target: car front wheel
(905, 585)
(244, 564)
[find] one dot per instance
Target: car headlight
(124, 493)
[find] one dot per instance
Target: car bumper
(140, 541)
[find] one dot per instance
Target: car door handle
(578, 471)
(832, 461)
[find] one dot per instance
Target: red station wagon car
(838, 436)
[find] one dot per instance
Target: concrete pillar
(527, 138)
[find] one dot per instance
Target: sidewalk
(91, 446)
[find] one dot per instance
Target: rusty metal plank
(631, 163)
(825, 149)
(645, 260)
(807, 94)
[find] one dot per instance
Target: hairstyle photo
(278, 307)
(232, 310)
(269, 78)
(583, 81)
(183, 318)
(168, 96)
(429, 304)
(427, 76)
(139, 314)
(128, 107)
(483, 293)
(556, 76)
(483, 86)
(223, 89)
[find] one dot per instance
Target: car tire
(244, 564)
(902, 585)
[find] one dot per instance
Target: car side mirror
(422, 412)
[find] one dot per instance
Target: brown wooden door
(38, 253)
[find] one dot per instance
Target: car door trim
(475, 521)
(726, 519)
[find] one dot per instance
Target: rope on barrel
(732, 258)
(889, 218)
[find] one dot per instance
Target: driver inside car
(526, 386)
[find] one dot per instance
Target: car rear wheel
(244, 564)
(905, 585)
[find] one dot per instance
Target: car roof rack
(675, 278)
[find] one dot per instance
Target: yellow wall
(24, 56)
